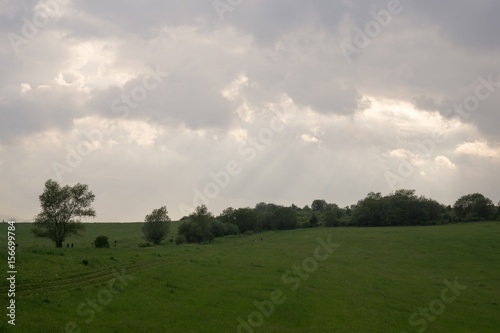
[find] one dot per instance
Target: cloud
(477, 148)
(72, 87)
(445, 161)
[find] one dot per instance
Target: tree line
(63, 207)
(401, 208)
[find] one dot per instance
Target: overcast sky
(230, 103)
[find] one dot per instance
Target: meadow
(375, 280)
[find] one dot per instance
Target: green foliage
(246, 219)
(226, 216)
(231, 229)
(284, 218)
(198, 228)
(62, 208)
(180, 239)
(474, 207)
(191, 231)
(330, 218)
(218, 228)
(313, 221)
(265, 213)
(101, 242)
(156, 226)
(318, 205)
(401, 208)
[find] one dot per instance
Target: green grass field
(373, 282)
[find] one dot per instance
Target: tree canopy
(198, 228)
(62, 209)
(156, 225)
(474, 207)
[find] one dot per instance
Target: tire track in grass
(102, 275)
(85, 280)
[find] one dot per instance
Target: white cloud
(232, 91)
(308, 138)
(445, 161)
(477, 148)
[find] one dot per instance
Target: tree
(368, 211)
(156, 225)
(191, 232)
(62, 209)
(198, 229)
(318, 205)
(330, 218)
(226, 216)
(313, 220)
(265, 214)
(246, 219)
(218, 228)
(284, 218)
(474, 207)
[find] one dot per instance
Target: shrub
(231, 229)
(217, 228)
(85, 262)
(198, 228)
(181, 239)
(101, 242)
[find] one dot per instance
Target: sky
(231, 102)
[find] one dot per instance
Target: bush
(198, 228)
(181, 239)
(217, 228)
(191, 231)
(231, 229)
(101, 242)
(85, 262)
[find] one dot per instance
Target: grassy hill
(376, 280)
